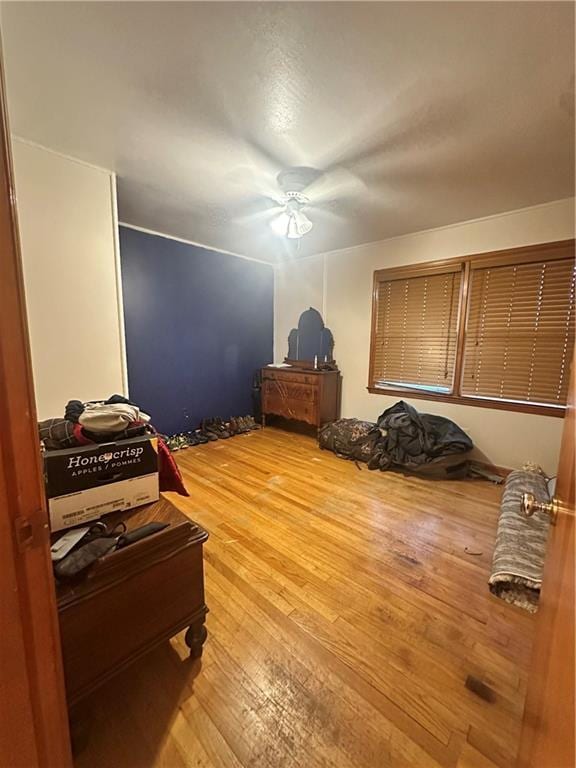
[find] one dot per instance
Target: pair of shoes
(206, 430)
(200, 438)
(190, 438)
(186, 440)
(241, 424)
(248, 423)
(178, 442)
(251, 423)
(221, 428)
(237, 426)
(173, 443)
(214, 429)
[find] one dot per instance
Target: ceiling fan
(295, 199)
(292, 222)
(302, 191)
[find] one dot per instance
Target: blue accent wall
(199, 323)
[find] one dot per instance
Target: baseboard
(500, 471)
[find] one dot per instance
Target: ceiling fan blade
(265, 215)
(244, 177)
(415, 125)
(273, 160)
(265, 153)
(254, 203)
(337, 183)
(323, 212)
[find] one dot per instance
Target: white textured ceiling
(442, 111)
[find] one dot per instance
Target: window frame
(524, 254)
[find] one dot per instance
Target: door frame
(547, 739)
(33, 713)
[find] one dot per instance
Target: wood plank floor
(348, 609)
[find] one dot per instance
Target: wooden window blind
(416, 329)
(493, 329)
(520, 330)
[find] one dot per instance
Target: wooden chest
(133, 599)
(301, 394)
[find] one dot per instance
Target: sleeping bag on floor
(420, 442)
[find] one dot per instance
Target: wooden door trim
(548, 739)
(35, 732)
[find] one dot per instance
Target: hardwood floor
(348, 610)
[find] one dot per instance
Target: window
(417, 329)
(493, 329)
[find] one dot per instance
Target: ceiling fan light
(292, 222)
(298, 225)
(279, 224)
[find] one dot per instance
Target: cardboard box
(82, 484)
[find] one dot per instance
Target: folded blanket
(58, 433)
(110, 417)
(518, 559)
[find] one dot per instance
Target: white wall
(341, 283)
(67, 221)
(298, 285)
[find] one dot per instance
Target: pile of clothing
(404, 440)
(100, 421)
(106, 421)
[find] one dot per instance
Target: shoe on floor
(244, 426)
(233, 426)
(221, 427)
(181, 441)
(251, 423)
(200, 438)
(173, 443)
(191, 438)
(208, 430)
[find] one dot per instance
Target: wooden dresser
(133, 599)
(301, 394)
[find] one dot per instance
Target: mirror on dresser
(310, 343)
(306, 387)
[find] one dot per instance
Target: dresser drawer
(290, 408)
(290, 390)
(280, 375)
